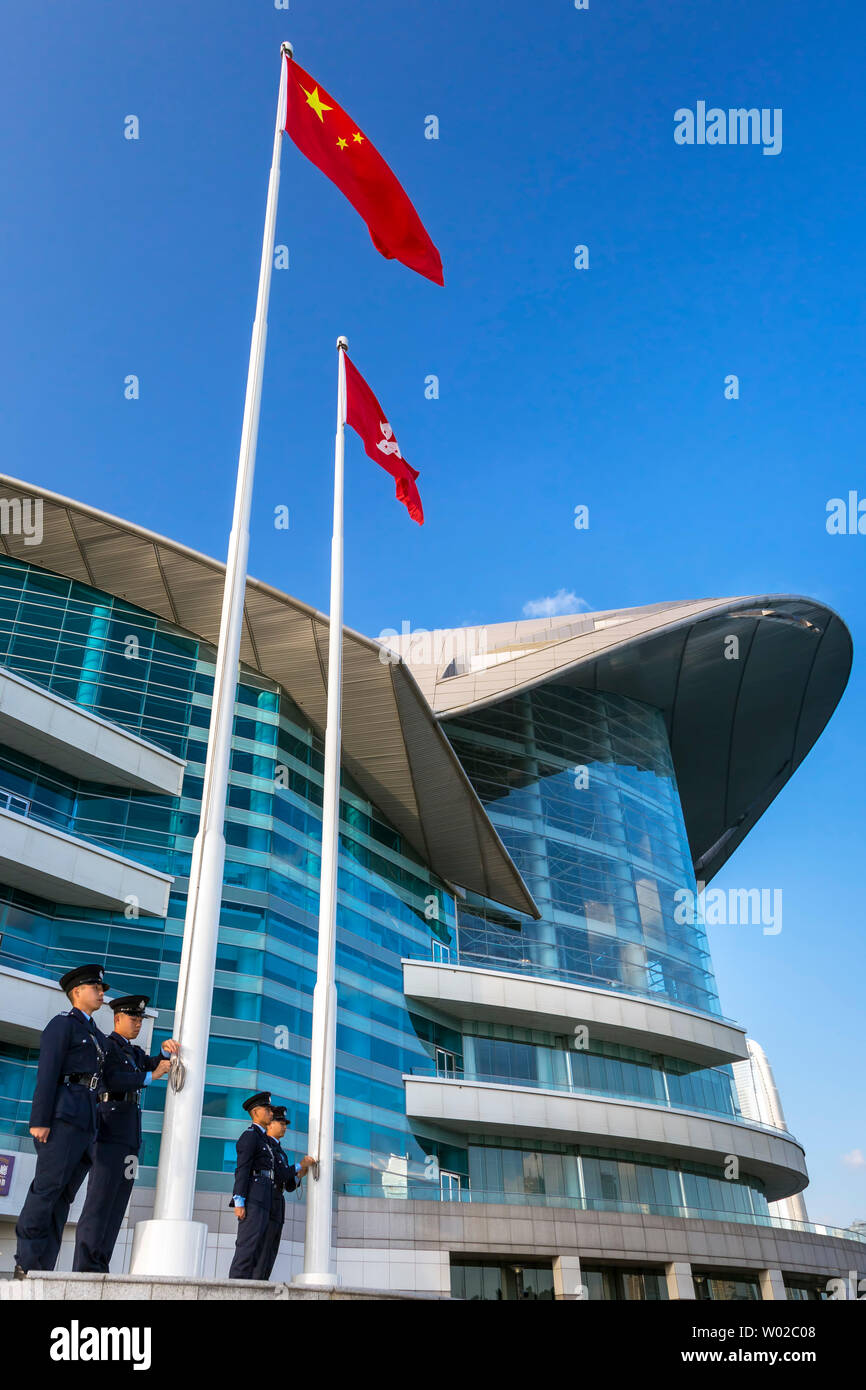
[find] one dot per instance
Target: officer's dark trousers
(61, 1167)
(271, 1247)
(252, 1237)
(108, 1191)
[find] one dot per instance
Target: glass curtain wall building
(528, 1023)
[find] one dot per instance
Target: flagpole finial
(342, 344)
(286, 49)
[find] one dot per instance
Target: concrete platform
(66, 1287)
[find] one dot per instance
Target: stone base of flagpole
(174, 1248)
(327, 1280)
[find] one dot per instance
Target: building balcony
(39, 723)
(49, 863)
(28, 1002)
(529, 1002)
(719, 1102)
(467, 1106)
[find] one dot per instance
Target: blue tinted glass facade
(139, 672)
(596, 1179)
(580, 785)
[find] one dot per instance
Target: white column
(567, 1281)
(679, 1280)
(319, 1267)
(772, 1284)
(172, 1243)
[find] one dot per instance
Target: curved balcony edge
(49, 863)
(76, 740)
(529, 1002)
(773, 1156)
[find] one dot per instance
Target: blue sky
(557, 387)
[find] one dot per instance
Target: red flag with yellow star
(368, 419)
(330, 139)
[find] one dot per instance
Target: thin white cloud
(563, 601)
(855, 1159)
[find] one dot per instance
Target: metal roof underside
(738, 728)
(392, 743)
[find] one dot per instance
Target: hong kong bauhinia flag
(329, 138)
(368, 419)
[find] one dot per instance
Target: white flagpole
(318, 1265)
(172, 1243)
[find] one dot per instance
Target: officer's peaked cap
(260, 1098)
(83, 975)
(134, 1004)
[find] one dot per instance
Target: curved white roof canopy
(738, 726)
(392, 743)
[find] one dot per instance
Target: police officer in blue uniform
(287, 1177)
(62, 1118)
(126, 1072)
(253, 1186)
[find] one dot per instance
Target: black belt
(128, 1096)
(83, 1078)
(265, 1173)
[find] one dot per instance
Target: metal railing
(112, 838)
(11, 801)
(588, 1093)
(441, 954)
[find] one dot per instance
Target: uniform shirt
(286, 1179)
(255, 1156)
(127, 1068)
(286, 1173)
(71, 1043)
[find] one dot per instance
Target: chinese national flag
(368, 419)
(332, 141)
